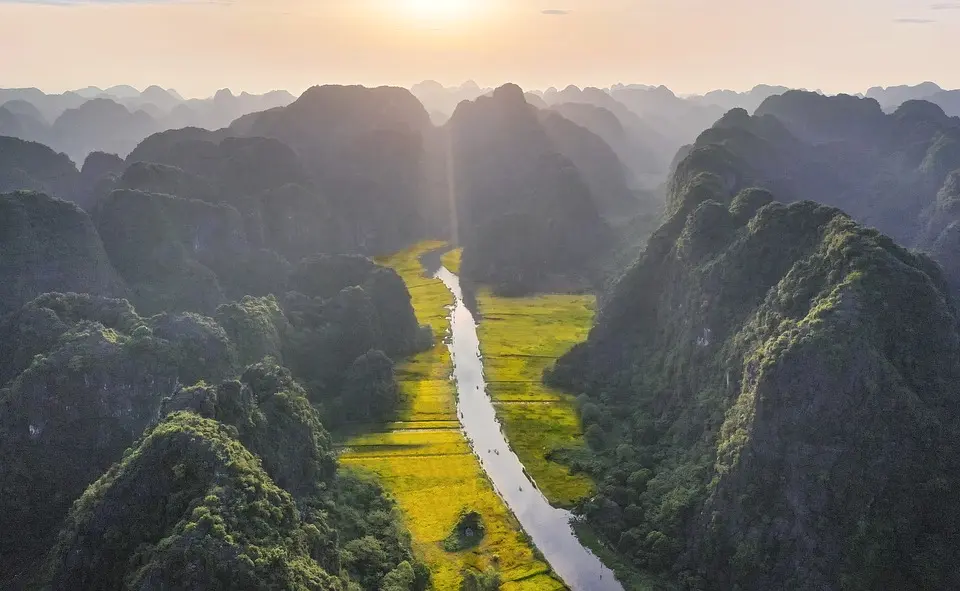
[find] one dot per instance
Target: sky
(691, 46)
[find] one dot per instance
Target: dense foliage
(82, 377)
(50, 245)
(769, 392)
(252, 500)
(890, 171)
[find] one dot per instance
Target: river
(548, 526)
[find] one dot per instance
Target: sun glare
(440, 10)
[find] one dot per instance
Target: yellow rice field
(424, 461)
(451, 260)
(519, 338)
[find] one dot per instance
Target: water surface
(549, 527)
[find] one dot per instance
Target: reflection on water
(548, 526)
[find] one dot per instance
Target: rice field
(451, 260)
(426, 464)
(519, 339)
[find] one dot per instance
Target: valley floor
(425, 462)
(519, 339)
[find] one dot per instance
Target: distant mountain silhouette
(949, 100)
(892, 97)
(599, 166)
(443, 100)
(526, 215)
(24, 108)
(33, 166)
(100, 124)
(50, 105)
(366, 149)
(749, 100)
(892, 171)
(33, 111)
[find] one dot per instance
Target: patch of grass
(451, 260)
(519, 339)
(424, 461)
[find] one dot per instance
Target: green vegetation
(253, 499)
(176, 254)
(84, 376)
(467, 533)
(223, 525)
(256, 326)
(50, 245)
(737, 376)
(347, 316)
(451, 260)
(520, 338)
(424, 461)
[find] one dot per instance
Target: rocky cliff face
(26, 165)
(525, 212)
(50, 245)
(887, 171)
(771, 390)
(235, 487)
(365, 148)
(171, 251)
(82, 377)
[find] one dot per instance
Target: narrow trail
(548, 526)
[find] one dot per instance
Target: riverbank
(426, 464)
(519, 339)
(548, 526)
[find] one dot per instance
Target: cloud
(914, 21)
(555, 12)
(945, 6)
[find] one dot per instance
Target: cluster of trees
(236, 487)
(84, 374)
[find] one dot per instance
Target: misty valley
(470, 338)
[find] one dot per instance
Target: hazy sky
(198, 46)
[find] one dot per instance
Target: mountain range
(768, 394)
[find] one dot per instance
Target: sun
(440, 10)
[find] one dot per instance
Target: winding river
(548, 526)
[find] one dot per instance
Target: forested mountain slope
(525, 213)
(367, 148)
(82, 376)
(771, 392)
(50, 245)
(891, 171)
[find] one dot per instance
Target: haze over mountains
(116, 119)
(769, 397)
(655, 122)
